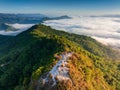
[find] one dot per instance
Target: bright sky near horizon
(71, 7)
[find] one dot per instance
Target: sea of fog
(104, 29)
(19, 28)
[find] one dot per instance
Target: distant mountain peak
(58, 18)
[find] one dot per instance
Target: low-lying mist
(19, 28)
(104, 29)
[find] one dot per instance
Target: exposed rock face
(59, 73)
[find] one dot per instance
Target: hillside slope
(36, 60)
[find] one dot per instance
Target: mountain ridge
(33, 53)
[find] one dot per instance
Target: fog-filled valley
(105, 29)
(15, 29)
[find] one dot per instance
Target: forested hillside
(26, 59)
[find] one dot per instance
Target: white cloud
(104, 29)
(20, 27)
(108, 41)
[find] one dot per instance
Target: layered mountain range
(13, 24)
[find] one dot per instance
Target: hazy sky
(72, 7)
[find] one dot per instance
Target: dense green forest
(26, 57)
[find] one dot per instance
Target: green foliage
(86, 43)
(30, 54)
(37, 73)
(85, 75)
